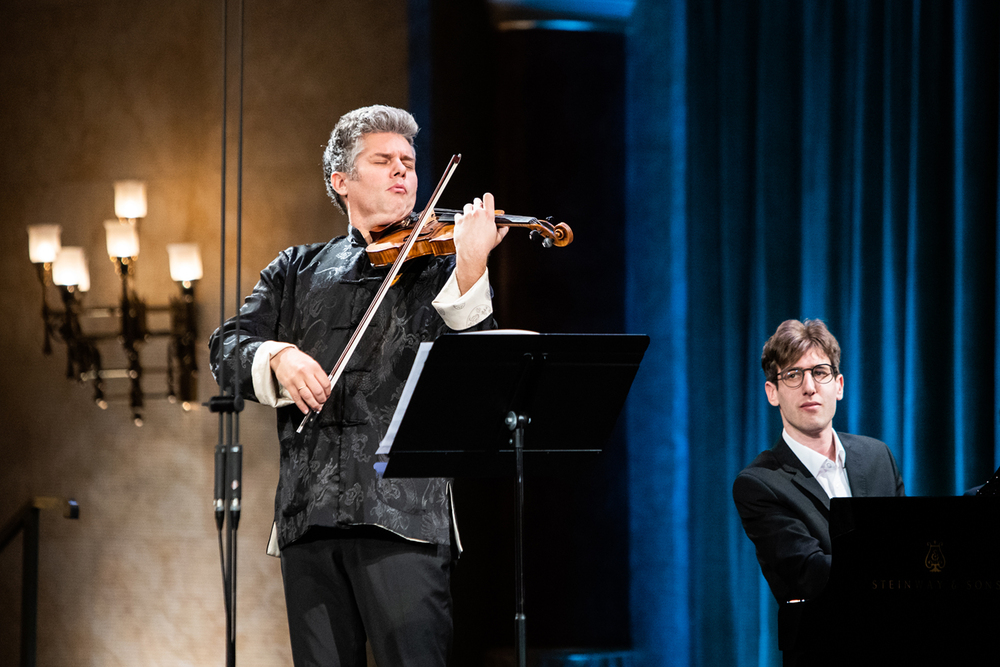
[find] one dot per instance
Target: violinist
(361, 557)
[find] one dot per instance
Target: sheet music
(404, 400)
(411, 384)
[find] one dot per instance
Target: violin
(396, 243)
(438, 235)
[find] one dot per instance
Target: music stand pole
(516, 423)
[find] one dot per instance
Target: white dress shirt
(831, 475)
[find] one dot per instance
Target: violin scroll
(561, 236)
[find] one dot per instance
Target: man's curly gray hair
(345, 144)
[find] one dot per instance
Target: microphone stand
(228, 491)
(228, 504)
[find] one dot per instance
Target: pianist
(783, 496)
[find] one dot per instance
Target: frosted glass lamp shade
(185, 262)
(122, 238)
(70, 268)
(44, 243)
(130, 199)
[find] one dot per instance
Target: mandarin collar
(357, 238)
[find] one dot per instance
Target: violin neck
(517, 221)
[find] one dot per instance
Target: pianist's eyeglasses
(793, 377)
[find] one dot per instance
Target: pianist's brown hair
(792, 340)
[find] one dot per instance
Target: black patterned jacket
(314, 296)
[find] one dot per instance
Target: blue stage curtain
(788, 159)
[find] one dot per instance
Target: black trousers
(345, 585)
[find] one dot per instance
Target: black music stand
(477, 397)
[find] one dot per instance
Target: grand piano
(913, 581)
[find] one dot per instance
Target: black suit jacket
(786, 513)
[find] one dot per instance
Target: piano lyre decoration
(65, 269)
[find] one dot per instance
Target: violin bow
(383, 289)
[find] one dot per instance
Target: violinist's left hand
(476, 234)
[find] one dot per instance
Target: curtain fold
(838, 160)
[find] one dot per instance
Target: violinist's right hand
(304, 379)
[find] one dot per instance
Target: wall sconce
(66, 269)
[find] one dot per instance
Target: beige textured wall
(92, 91)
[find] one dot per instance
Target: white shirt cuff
(266, 388)
(461, 311)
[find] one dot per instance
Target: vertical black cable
(224, 417)
(220, 449)
(239, 225)
(235, 454)
(228, 452)
(222, 244)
